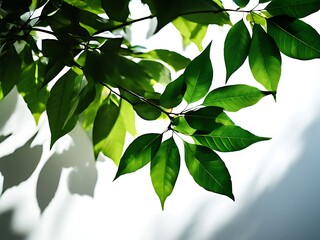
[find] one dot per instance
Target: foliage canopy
(73, 61)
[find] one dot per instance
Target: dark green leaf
(146, 111)
(227, 139)
(294, 37)
(241, 3)
(116, 9)
(208, 170)
(264, 59)
(93, 6)
(293, 8)
(198, 76)
(139, 153)
(204, 119)
(165, 167)
(174, 92)
(234, 97)
(236, 47)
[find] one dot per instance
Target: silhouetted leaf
(241, 3)
(294, 37)
(116, 9)
(139, 153)
(165, 167)
(208, 170)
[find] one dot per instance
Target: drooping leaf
(208, 170)
(147, 111)
(236, 47)
(227, 138)
(204, 119)
(165, 167)
(241, 3)
(173, 93)
(234, 97)
(116, 9)
(264, 59)
(294, 37)
(139, 153)
(198, 76)
(293, 8)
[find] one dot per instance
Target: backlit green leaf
(227, 139)
(139, 153)
(294, 37)
(159, 72)
(174, 92)
(264, 59)
(293, 8)
(236, 47)
(165, 167)
(234, 97)
(208, 170)
(198, 76)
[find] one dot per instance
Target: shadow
(7, 106)
(6, 232)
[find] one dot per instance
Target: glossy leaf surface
(173, 93)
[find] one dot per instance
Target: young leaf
(204, 119)
(198, 76)
(139, 153)
(236, 47)
(234, 97)
(294, 37)
(264, 59)
(208, 170)
(293, 8)
(241, 3)
(227, 138)
(116, 9)
(165, 167)
(174, 92)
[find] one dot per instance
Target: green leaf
(159, 72)
(10, 70)
(191, 32)
(227, 139)
(264, 59)
(165, 167)
(294, 37)
(173, 93)
(180, 125)
(241, 3)
(293, 8)
(139, 153)
(204, 119)
(93, 6)
(104, 123)
(147, 111)
(198, 76)
(234, 97)
(60, 103)
(208, 170)
(116, 9)
(236, 47)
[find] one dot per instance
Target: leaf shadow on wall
(6, 233)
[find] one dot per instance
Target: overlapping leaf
(116, 9)
(174, 92)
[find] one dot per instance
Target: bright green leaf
(294, 37)
(208, 170)
(139, 153)
(236, 47)
(180, 125)
(174, 92)
(159, 72)
(264, 59)
(165, 167)
(234, 97)
(227, 138)
(198, 76)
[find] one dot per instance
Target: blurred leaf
(198, 76)
(241, 3)
(294, 37)
(139, 153)
(159, 72)
(264, 59)
(173, 93)
(236, 47)
(165, 167)
(234, 97)
(93, 6)
(208, 170)
(116, 9)
(227, 138)
(293, 8)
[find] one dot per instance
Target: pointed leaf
(227, 139)
(234, 97)
(241, 3)
(116, 9)
(208, 170)
(139, 153)
(236, 47)
(174, 92)
(294, 37)
(165, 169)
(264, 59)
(293, 8)
(198, 76)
